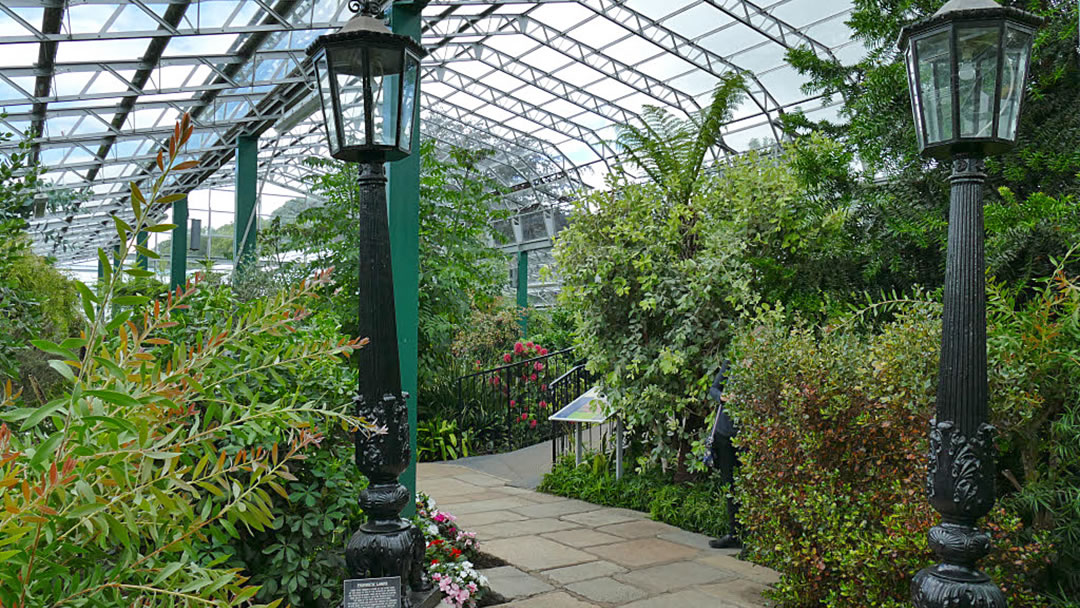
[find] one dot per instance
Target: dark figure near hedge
(721, 454)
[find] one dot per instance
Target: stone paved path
(565, 553)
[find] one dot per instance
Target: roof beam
(52, 18)
(157, 45)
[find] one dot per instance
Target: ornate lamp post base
(387, 545)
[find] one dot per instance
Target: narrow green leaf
(115, 398)
(150, 253)
(160, 228)
(46, 449)
(63, 369)
(42, 413)
(53, 349)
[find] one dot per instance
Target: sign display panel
(591, 406)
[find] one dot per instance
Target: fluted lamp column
(967, 66)
(368, 79)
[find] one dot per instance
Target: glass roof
(544, 83)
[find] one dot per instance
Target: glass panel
(913, 88)
(935, 86)
(348, 70)
(385, 71)
(977, 49)
(326, 96)
(410, 90)
(1013, 73)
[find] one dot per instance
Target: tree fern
(670, 150)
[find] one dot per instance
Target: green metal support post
(403, 197)
(178, 257)
(245, 228)
(141, 261)
(523, 289)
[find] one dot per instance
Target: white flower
(433, 530)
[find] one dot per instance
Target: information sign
(373, 592)
(591, 406)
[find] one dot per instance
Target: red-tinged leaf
(189, 164)
(172, 147)
(176, 132)
(47, 510)
(157, 341)
(34, 519)
(160, 161)
(53, 473)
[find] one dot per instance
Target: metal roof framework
(543, 83)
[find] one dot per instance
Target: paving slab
(528, 527)
(675, 576)
(582, 537)
(583, 572)
(643, 552)
(565, 506)
(559, 599)
(742, 569)
(448, 486)
(439, 470)
(495, 504)
(483, 518)
(738, 593)
(451, 500)
(481, 479)
(643, 528)
(535, 552)
(607, 591)
(690, 539)
(514, 584)
(604, 517)
(690, 598)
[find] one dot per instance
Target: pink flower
(543, 403)
(532, 376)
(530, 345)
(538, 366)
(543, 351)
(543, 387)
(524, 416)
(508, 357)
(513, 403)
(532, 424)
(519, 348)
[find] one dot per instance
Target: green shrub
(834, 423)
(298, 557)
(111, 488)
(36, 302)
(697, 506)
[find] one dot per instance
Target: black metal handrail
(507, 407)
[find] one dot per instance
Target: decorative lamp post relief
(966, 66)
(368, 81)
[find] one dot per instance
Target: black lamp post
(966, 70)
(368, 80)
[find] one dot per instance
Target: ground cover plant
(696, 505)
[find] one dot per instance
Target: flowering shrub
(450, 553)
(833, 424)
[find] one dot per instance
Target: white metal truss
(544, 84)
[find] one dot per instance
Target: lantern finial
(370, 8)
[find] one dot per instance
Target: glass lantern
(967, 66)
(369, 81)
